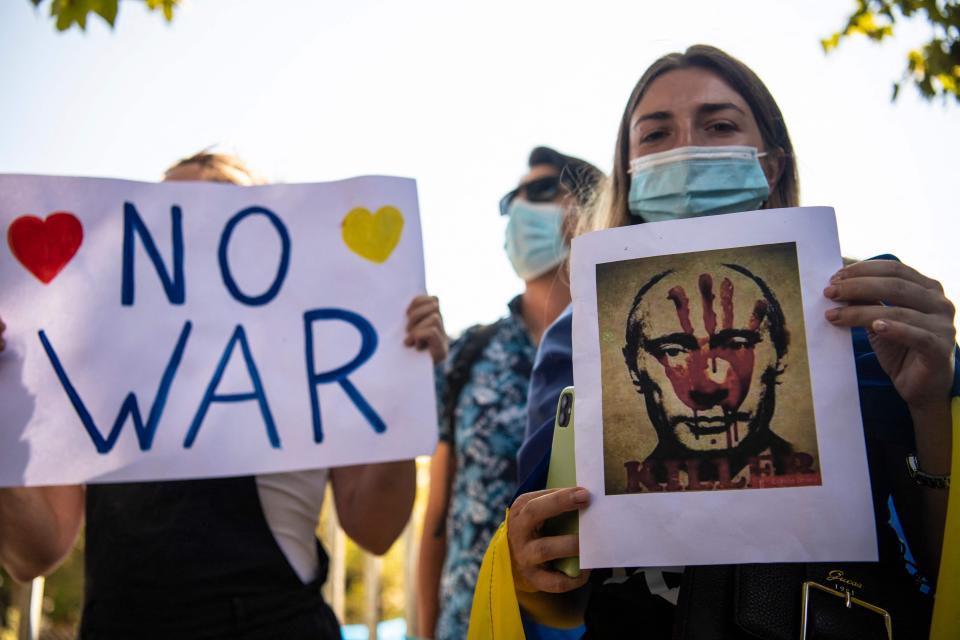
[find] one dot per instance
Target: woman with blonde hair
(212, 558)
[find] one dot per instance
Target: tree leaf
(107, 9)
(830, 43)
(934, 67)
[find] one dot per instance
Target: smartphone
(562, 472)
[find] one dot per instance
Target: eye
(671, 350)
(740, 342)
(653, 136)
(723, 126)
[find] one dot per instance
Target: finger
(547, 548)
(416, 332)
(433, 340)
(524, 498)
(416, 314)
(890, 290)
(865, 315)
(425, 338)
(553, 504)
(886, 269)
(552, 581)
(929, 344)
(418, 300)
(424, 308)
(432, 321)
(521, 527)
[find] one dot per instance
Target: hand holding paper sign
(187, 304)
(532, 552)
(910, 323)
(913, 335)
(425, 328)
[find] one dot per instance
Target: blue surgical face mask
(534, 240)
(697, 181)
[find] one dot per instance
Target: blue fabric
(489, 422)
(552, 372)
(689, 182)
(922, 583)
(533, 630)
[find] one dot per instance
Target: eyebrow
(707, 108)
(656, 115)
(725, 336)
(713, 107)
(685, 340)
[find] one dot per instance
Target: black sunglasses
(539, 190)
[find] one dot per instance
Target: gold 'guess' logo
(836, 575)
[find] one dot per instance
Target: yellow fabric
(496, 607)
(946, 608)
(496, 613)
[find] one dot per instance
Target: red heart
(45, 247)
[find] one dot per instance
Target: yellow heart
(373, 236)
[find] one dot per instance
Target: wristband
(925, 479)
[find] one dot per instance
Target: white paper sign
(717, 410)
(182, 330)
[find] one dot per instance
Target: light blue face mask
(697, 181)
(534, 240)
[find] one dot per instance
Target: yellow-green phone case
(563, 473)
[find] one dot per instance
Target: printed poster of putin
(705, 378)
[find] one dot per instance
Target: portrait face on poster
(705, 379)
(717, 410)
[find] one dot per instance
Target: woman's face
(691, 107)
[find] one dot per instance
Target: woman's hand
(910, 325)
(909, 322)
(425, 327)
(530, 551)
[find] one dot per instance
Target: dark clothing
(192, 559)
(626, 607)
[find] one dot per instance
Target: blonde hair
(599, 211)
(220, 167)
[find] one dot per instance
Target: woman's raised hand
(909, 321)
(530, 550)
(425, 328)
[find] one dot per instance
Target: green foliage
(5, 600)
(933, 68)
(63, 591)
(62, 600)
(75, 12)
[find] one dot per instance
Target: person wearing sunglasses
(483, 391)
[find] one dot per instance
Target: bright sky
(456, 95)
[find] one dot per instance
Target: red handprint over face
(701, 352)
(714, 369)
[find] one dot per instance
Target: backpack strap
(459, 374)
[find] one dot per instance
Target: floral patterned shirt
(489, 422)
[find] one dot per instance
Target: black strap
(459, 374)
